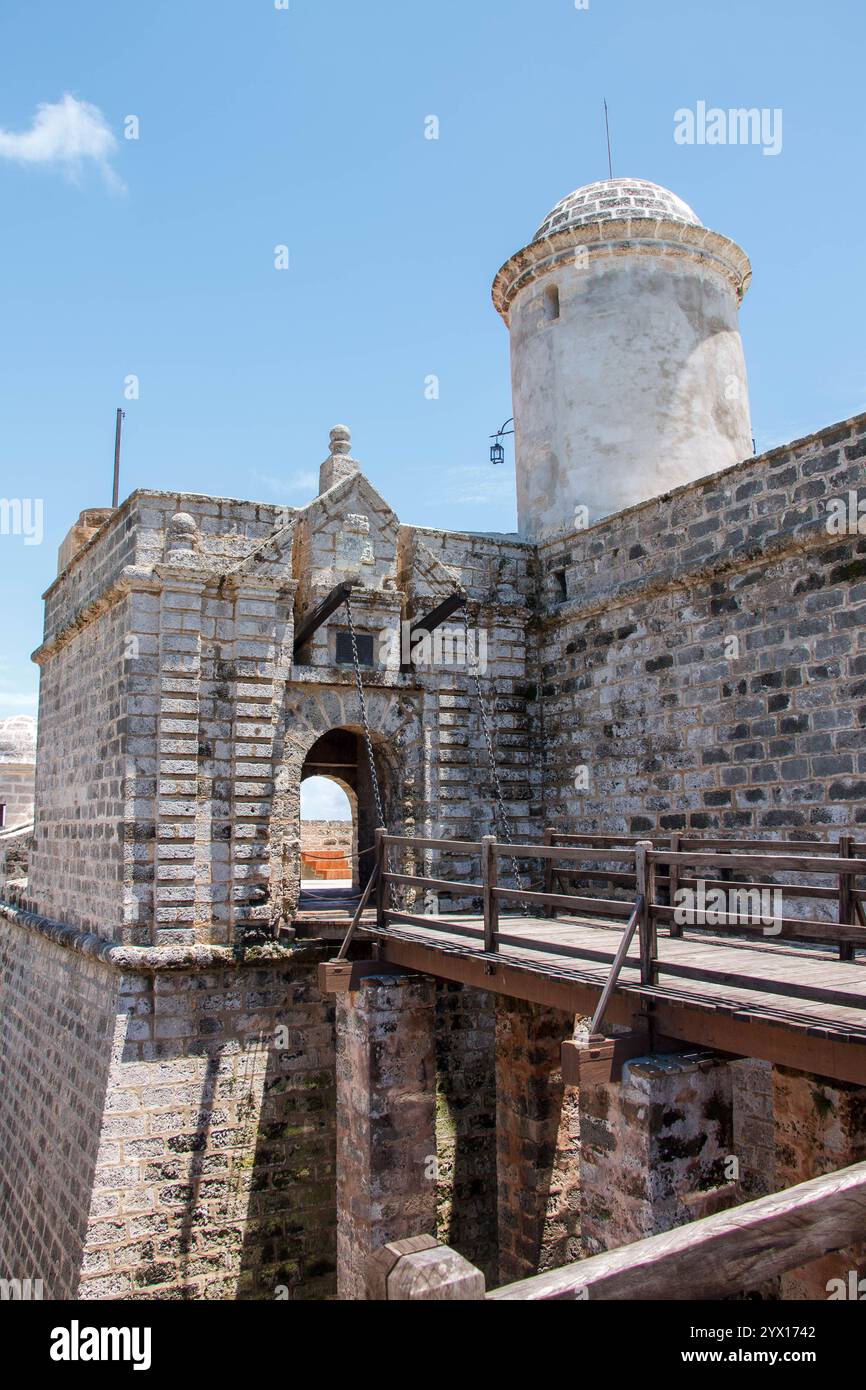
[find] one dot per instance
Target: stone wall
(654, 1148)
(537, 1142)
(57, 1021)
(175, 719)
(327, 834)
(167, 1119)
(174, 1126)
(85, 700)
(466, 1124)
(17, 784)
(705, 654)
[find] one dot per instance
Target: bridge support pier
(655, 1148)
(386, 1119)
(537, 1142)
(820, 1126)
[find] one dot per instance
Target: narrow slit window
(551, 303)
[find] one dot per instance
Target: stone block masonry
(466, 1124)
(168, 808)
(386, 1120)
(174, 1113)
(654, 1148)
(820, 1126)
(706, 662)
(538, 1142)
(174, 1118)
(17, 790)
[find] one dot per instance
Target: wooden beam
(359, 911)
(773, 863)
(345, 976)
(488, 879)
(550, 910)
(649, 946)
(600, 1060)
(616, 968)
(571, 902)
(846, 905)
(320, 614)
(449, 846)
(724, 1028)
(439, 615)
(436, 885)
(380, 873)
(783, 928)
(720, 1255)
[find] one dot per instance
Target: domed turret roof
(616, 198)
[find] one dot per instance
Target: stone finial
(182, 533)
(341, 440)
(339, 464)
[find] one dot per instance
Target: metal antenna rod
(607, 129)
(115, 496)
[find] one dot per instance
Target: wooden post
(419, 1269)
(548, 870)
(381, 886)
(645, 874)
(673, 881)
(488, 882)
(846, 903)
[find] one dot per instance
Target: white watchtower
(628, 373)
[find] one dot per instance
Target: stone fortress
(675, 641)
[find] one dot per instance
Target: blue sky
(259, 127)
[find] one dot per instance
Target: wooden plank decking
(793, 992)
(784, 1017)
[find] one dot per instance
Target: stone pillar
(386, 1120)
(754, 1143)
(820, 1125)
(654, 1148)
(538, 1142)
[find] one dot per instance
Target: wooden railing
(491, 893)
(649, 873)
(716, 1257)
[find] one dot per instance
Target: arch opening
(336, 773)
(328, 832)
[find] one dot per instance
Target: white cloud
(322, 799)
(282, 487)
(65, 134)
